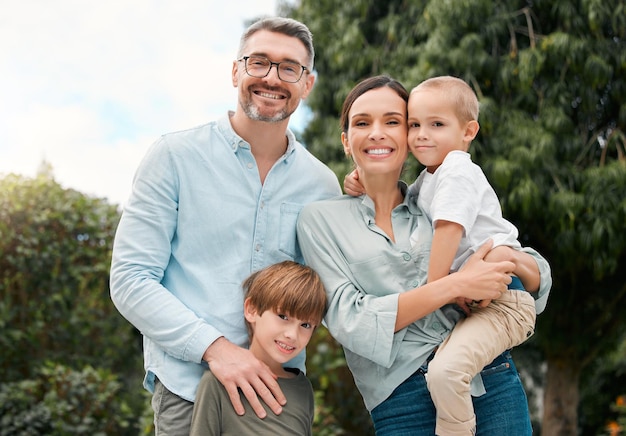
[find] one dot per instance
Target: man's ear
(235, 73)
(308, 85)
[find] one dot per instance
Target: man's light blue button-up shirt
(197, 223)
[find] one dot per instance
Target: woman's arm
(477, 280)
(541, 296)
(364, 279)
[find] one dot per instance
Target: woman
(388, 321)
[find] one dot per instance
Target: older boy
(284, 303)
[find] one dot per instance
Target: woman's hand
(481, 280)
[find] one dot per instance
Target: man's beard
(252, 111)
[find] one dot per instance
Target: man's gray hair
(286, 26)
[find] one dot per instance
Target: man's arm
(141, 253)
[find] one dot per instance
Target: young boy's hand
(464, 304)
(351, 184)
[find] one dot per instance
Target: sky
(88, 86)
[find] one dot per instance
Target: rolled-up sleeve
(541, 296)
(361, 322)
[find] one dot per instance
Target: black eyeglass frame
(244, 59)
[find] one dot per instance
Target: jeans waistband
(516, 284)
(502, 358)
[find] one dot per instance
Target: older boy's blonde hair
(457, 92)
(287, 287)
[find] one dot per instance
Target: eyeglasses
(259, 67)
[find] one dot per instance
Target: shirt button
(257, 247)
(250, 166)
(406, 256)
(414, 283)
(437, 326)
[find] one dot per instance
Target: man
(209, 206)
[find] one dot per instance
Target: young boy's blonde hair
(287, 287)
(458, 92)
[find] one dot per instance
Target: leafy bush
(339, 406)
(62, 401)
(620, 408)
(55, 253)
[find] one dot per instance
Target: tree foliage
(550, 77)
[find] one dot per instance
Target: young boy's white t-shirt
(458, 191)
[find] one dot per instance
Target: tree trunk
(560, 414)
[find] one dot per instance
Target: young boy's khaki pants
(473, 343)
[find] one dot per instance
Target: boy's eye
(306, 325)
(282, 316)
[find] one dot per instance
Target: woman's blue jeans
(503, 410)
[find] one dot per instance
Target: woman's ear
(346, 144)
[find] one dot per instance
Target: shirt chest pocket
(288, 243)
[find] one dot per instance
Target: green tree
(551, 80)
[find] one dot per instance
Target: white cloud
(89, 85)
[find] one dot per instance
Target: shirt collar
(410, 199)
(235, 141)
(407, 207)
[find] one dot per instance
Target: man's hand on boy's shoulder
(238, 369)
